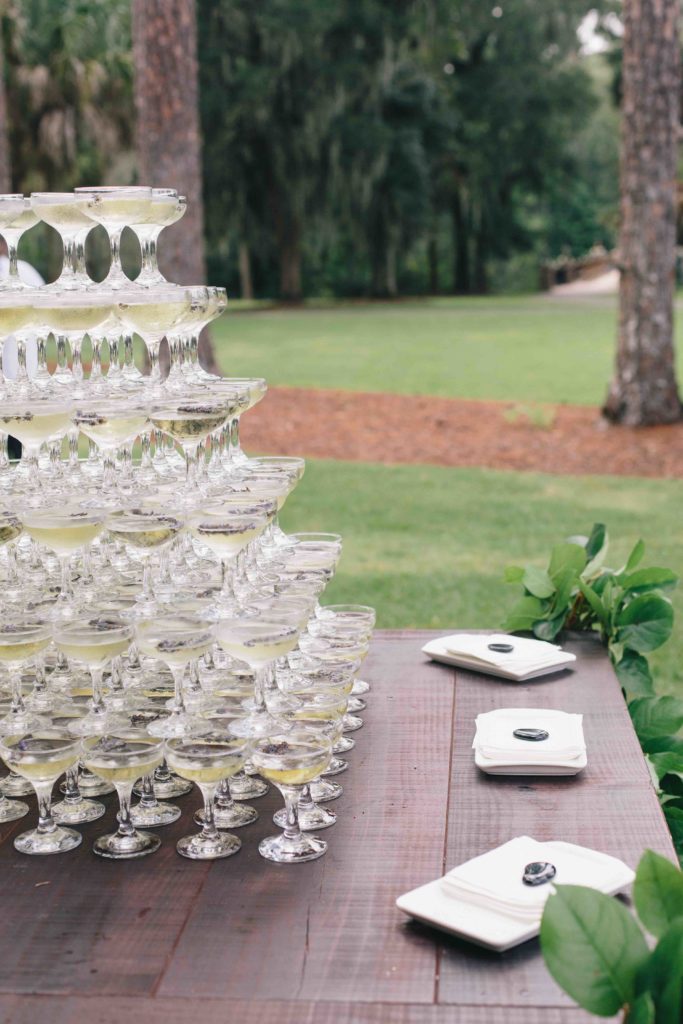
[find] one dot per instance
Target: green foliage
(597, 953)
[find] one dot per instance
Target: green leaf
(649, 579)
(596, 550)
(548, 629)
(658, 892)
(537, 582)
(522, 616)
(635, 557)
(674, 819)
(645, 623)
(663, 975)
(564, 557)
(667, 763)
(633, 672)
(663, 745)
(643, 1010)
(592, 947)
(596, 605)
(565, 581)
(656, 716)
(513, 574)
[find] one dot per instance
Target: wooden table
(165, 940)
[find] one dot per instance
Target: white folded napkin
(526, 653)
(494, 737)
(493, 881)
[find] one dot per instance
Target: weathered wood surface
(244, 940)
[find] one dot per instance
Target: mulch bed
(390, 429)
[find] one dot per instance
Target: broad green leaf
(663, 745)
(601, 582)
(548, 629)
(592, 947)
(565, 582)
(633, 672)
(537, 582)
(513, 574)
(594, 601)
(667, 763)
(596, 550)
(645, 623)
(674, 819)
(658, 892)
(649, 579)
(656, 716)
(566, 556)
(522, 616)
(635, 557)
(643, 1010)
(663, 975)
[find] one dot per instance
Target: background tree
(5, 160)
(644, 388)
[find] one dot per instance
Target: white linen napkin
(495, 740)
(527, 654)
(493, 880)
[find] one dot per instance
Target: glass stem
(223, 798)
(72, 794)
(178, 672)
(305, 800)
(76, 364)
(65, 593)
(17, 707)
(260, 679)
(97, 706)
(12, 253)
(115, 252)
(124, 790)
(46, 823)
(209, 830)
(147, 796)
(291, 796)
(68, 260)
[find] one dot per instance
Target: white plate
(492, 767)
(437, 650)
(434, 905)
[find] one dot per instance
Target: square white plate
(559, 768)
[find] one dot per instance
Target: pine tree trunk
(644, 388)
(5, 160)
(246, 280)
(289, 245)
(168, 136)
(461, 262)
(433, 264)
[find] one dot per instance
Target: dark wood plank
(328, 929)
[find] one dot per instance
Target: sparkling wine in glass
(115, 208)
(63, 212)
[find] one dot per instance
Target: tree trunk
(289, 245)
(433, 264)
(461, 261)
(246, 281)
(644, 388)
(5, 161)
(168, 137)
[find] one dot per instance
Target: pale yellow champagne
(39, 759)
(18, 647)
(63, 215)
(61, 534)
(15, 318)
(108, 429)
(33, 428)
(153, 317)
(192, 423)
(10, 529)
(72, 318)
(93, 653)
(294, 776)
(25, 220)
(223, 539)
(175, 651)
(116, 211)
(206, 761)
(143, 535)
(255, 652)
(127, 761)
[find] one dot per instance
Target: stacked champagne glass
(158, 627)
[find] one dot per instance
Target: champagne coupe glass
(226, 532)
(110, 423)
(74, 809)
(258, 642)
(64, 530)
(10, 530)
(22, 638)
(122, 757)
(62, 211)
(19, 218)
(94, 641)
(290, 761)
(16, 318)
(148, 531)
(176, 640)
(227, 813)
(189, 421)
(69, 317)
(11, 810)
(206, 305)
(34, 420)
(345, 617)
(167, 208)
(153, 313)
(207, 760)
(41, 756)
(232, 454)
(114, 208)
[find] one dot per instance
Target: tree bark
(461, 262)
(246, 280)
(644, 388)
(433, 264)
(5, 160)
(168, 139)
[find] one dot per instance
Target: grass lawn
(427, 546)
(524, 349)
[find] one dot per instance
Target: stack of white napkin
(493, 881)
(528, 658)
(498, 751)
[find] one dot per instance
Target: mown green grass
(427, 546)
(524, 349)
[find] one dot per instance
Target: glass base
(247, 787)
(167, 789)
(96, 723)
(200, 847)
(356, 704)
(322, 791)
(116, 847)
(360, 687)
(15, 785)
(77, 813)
(17, 723)
(343, 745)
(11, 810)
(352, 722)
(42, 843)
(155, 816)
(336, 766)
(236, 816)
(310, 819)
(292, 851)
(257, 724)
(181, 724)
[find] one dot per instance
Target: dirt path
(457, 432)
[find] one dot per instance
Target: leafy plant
(630, 611)
(597, 952)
